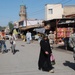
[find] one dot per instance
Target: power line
(60, 1)
(67, 1)
(55, 3)
(38, 11)
(55, 6)
(43, 8)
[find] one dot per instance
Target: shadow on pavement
(69, 64)
(5, 51)
(65, 48)
(16, 51)
(61, 47)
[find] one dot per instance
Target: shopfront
(62, 28)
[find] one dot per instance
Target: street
(25, 61)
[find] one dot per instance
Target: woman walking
(44, 62)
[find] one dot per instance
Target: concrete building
(16, 24)
(69, 11)
(25, 23)
(56, 11)
(53, 11)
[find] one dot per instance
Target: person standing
(4, 48)
(44, 62)
(51, 37)
(4, 44)
(15, 34)
(28, 37)
(72, 42)
(12, 42)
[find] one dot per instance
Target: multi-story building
(25, 23)
(56, 11)
(62, 19)
(53, 11)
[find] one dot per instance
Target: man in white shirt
(28, 37)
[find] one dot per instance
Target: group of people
(2, 42)
(3, 46)
(44, 62)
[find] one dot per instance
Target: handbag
(52, 59)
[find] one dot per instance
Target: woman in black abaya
(44, 57)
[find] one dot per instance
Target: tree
(2, 28)
(11, 26)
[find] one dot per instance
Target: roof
(69, 6)
(61, 22)
(70, 15)
(29, 27)
(29, 22)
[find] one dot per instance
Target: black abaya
(44, 59)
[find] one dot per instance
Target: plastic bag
(52, 59)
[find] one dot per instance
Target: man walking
(72, 42)
(28, 37)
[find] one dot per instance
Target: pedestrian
(28, 37)
(3, 47)
(12, 42)
(15, 34)
(65, 40)
(44, 62)
(51, 37)
(72, 42)
(3, 41)
(0, 43)
(4, 44)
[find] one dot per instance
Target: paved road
(24, 61)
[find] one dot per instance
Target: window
(50, 11)
(21, 23)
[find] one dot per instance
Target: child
(12, 42)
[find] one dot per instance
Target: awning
(29, 27)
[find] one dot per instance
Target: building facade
(53, 11)
(69, 11)
(25, 23)
(56, 11)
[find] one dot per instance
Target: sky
(9, 9)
